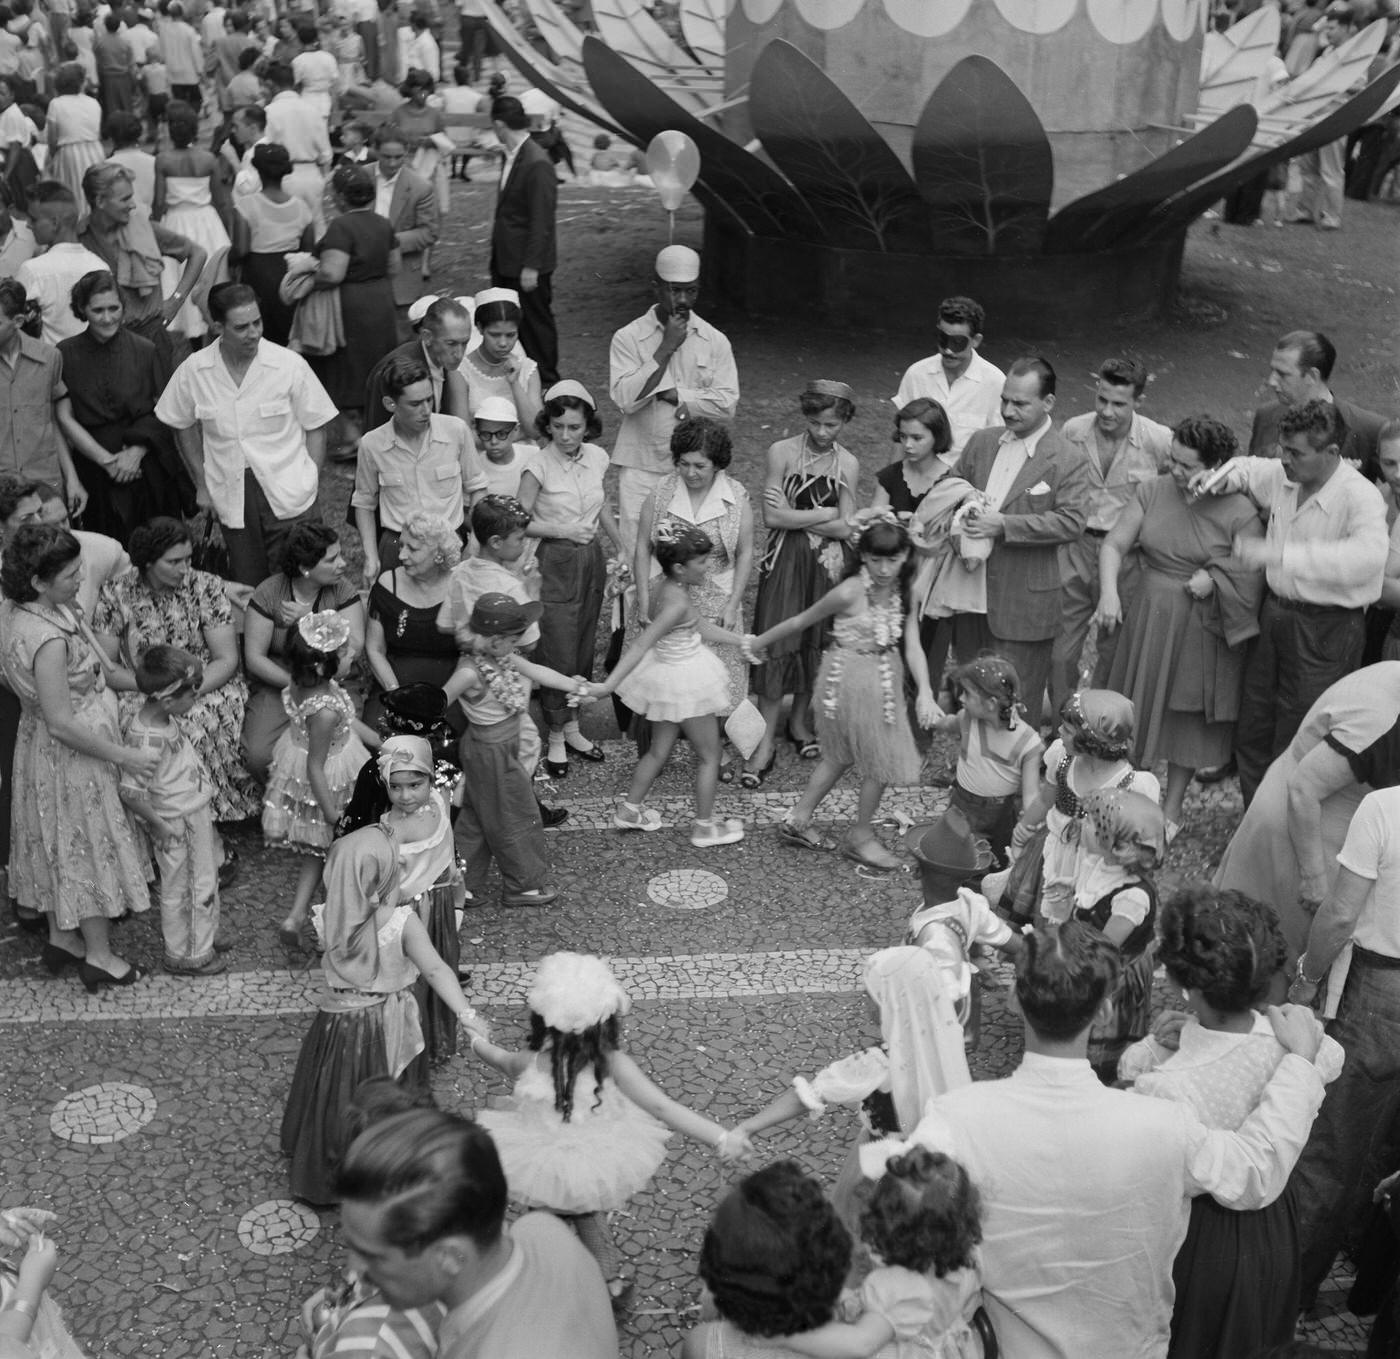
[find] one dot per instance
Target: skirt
(202, 225)
(291, 815)
(851, 717)
(437, 909)
(342, 1049)
(1021, 899)
(667, 687)
(1132, 1014)
(1237, 1278)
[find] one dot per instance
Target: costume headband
(189, 678)
(327, 631)
(826, 387)
(573, 992)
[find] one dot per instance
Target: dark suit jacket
(413, 213)
(1360, 443)
(375, 414)
(522, 236)
(1023, 571)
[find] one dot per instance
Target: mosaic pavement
(147, 1118)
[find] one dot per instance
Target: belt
(1095, 533)
(1302, 606)
(982, 799)
(1381, 960)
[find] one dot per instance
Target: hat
(498, 615)
(498, 295)
(827, 387)
(498, 409)
(948, 854)
(678, 264)
(419, 309)
(415, 709)
(568, 387)
(572, 992)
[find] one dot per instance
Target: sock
(574, 737)
(558, 751)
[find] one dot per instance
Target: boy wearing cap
(665, 367)
(499, 818)
(496, 426)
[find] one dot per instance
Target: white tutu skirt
(593, 1163)
(677, 680)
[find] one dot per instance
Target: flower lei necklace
(506, 683)
(887, 627)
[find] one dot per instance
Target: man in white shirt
(184, 56)
(316, 72)
(16, 243)
(249, 124)
(1122, 448)
(298, 125)
(250, 418)
(49, 278)
(1323, 557)
(1086, 1190)
(664, 368)
(957, 377)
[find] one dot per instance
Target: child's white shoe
(719, 831)
(628, 817)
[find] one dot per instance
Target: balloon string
(671, 235)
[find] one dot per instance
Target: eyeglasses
(954, 344)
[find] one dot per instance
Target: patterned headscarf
(1129, 826)
(1102, 722)
(404, 754)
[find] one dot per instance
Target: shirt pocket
(1040, 504)
(271, 416)
(389, 477)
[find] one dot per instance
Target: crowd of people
(188, 338)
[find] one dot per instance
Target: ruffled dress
(291, 815)
(931, 1316)
(431, 882)
(190, 212)
(605, 1153)
(859, 699)
(679, 678)
(357, 1034)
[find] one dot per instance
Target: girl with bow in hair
(368, 1020)
(316, 760)
(582, 1152)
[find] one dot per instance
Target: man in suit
(1300, 371)
(444, 329)
(523, 249)
(408, 201)
(1037, 488)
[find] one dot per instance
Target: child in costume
(31, 1326)
(316, 760)
(859, 693)
(922, 1225)
(670, 677)
(368, 1020)
(581, 1152)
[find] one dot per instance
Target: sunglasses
(954, 344)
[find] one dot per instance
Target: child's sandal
(805, 837)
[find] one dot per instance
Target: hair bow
(400, 753)
(875, 1156)
(328, 630)
(178, 686)
(871, 515)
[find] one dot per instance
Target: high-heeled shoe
(56, 959)
(94, 978)
(592, 753)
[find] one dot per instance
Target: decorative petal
(1115, 215)
(828, 14)
(757, 196)
(1235, 62)
(1037, 16)
(761, 11)
(983, 163)
(840, 165)
(1184, 18)
(1337, 70)
(629, 30)
(1178, 212)
(702, 25)
(1122, 21)
(561, 35)
(928, 18)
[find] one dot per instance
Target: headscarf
(403, 755)
(1102, 721)
(1123, 819)
(922, 1035)
(362, 873)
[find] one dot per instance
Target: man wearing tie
(444, 329)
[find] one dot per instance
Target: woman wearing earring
(563, 492)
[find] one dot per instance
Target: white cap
(419, 309)
(568, 387)
(678, 264)
(487, 295)
(497, 409)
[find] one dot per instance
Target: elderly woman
(312, 580)
(701, 492)
(357, 256)
(267, 226)
(1285, 850)
(73, 854)
(164, 599)
(127, 459)
(562, 490)
(1191, 612)
(402, 642)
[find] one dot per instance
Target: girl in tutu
(677, 683)
(31, 1326)
(316, 760)
(923, 1224)
(368, 1021)
(859, 696)
(420, 825)
(581, 1153)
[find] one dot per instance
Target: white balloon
(928, 18)
(1123, 21)
(1037, 16)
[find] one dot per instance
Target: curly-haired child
(923, 1224)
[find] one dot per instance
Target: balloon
(673, 162)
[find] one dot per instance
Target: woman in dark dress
(267, 225)
(126, 459)
(358, 257)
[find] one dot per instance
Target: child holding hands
(581, 1153)
(30, 1323)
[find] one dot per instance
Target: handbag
(209, 552)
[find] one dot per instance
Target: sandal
(853, 852)
(754, 778)
(807, 747)
(804, 837)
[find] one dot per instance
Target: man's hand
(371, 569)
(170, 308)
(668, 396)
(985, 524)
(1297, 1028)
(529, 280)
(75, 495)
(673, 334)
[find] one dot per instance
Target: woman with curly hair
(164, 599)
(1237, 1273)
(774, 1258)
(1188, 616)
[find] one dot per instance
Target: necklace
(886, 627)
(507, 684)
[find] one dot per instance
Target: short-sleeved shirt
(990, 759)
(276, 590)
(571, 489)
(477, 576)
(1372, 851)
(259, 426)
(28, 427)
(972, 402)
(179, 784)
(49, 278)
(435, 478)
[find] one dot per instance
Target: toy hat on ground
(947, 852)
